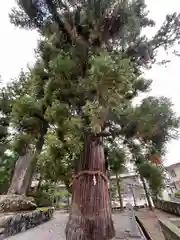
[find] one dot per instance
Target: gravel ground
(54, 229)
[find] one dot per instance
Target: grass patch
(61, 204)
(43, 208)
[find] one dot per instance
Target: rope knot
(93, 173)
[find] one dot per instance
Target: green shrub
(61, 193)
(61, 205)
(43, 199)
(43, 196)
(177, 193)
(43, 209)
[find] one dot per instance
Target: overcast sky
(17, 50)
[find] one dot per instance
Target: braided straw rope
(93, 173)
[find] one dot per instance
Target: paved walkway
(54, 229)
(150, 221)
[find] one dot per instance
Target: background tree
(157, 125)
(117, 159)
(29, 124)
(150, 174)
(112, 192)
(153, 176)
(94, 52)
(8, 161)
(7, 156)
(4, 120)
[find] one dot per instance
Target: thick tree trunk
(12, 173)
(91, 214)
(147, 194)
(19, 179)
(119, 191)
(109, 187)
(25, 167)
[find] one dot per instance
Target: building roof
(126, 175)
(172, 166)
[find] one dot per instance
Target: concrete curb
(144, 230)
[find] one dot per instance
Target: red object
(155, 159)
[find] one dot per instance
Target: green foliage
(61, 198)
(91, 83)
(60, 204)
(157, 122)
(57, 161)
(23, 111)
(116, 158)
(7, 163)
(44, 196)
(5, 109)
(177, 193)
(42, 209)
(43, 199)
(27, 125)
(21, 142)
(61, 193)
(153, 175)
(89, 68)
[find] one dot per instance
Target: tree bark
(109, 187)
(91, 213)
(18, 182)
(147, 194)
(26, 165)
(119, 191)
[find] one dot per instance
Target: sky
(17, 50)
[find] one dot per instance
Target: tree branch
(38, 116)
(112, 133)
(130, 130)
(64, 26)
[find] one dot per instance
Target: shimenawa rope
(94, 173)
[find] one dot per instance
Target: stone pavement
(150, 222)
(54, 229)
